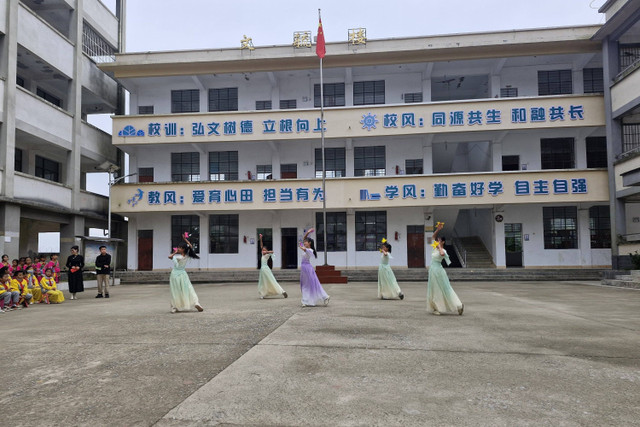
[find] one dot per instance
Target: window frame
(600, 227)
(332, 162)
(369, 92)
(596, 147)
(369, 230)
(555, 82)
(185, 104)
(223, 99)
(374, 156)
(593, 80)
(45, 168)
(188, 223)
(409, 169)
(288, 104)
(333, 94)
(551, 156)
(227, 227)
(336, 232)
(179, 170)
(264, 172)
(230, 165)
(554, 220)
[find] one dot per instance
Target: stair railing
(461, 252)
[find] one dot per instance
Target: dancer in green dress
(441, 297)
(183, 296)
(387, 284)
(267, 283)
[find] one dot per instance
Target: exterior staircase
(622, 279)
(329, 274)
(477, 254)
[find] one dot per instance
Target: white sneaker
(326, 301)
(174, 310)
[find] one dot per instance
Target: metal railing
(461, 252)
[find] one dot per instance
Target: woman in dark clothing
(75, 263)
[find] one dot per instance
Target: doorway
(513, 245)
(415, 246)
(267, 240)
(145, 250)
(289, 248)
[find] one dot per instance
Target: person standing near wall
(75, 263)
(103, 272)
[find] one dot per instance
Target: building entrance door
(145, 250)
(513, 245)
(415, 246)
(290, 248)
(267, 240)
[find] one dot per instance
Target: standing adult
(441, 298)
(75, 263)
(103, 271)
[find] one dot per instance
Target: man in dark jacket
(103, 269)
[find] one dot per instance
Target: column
(68, 233)
(275, 160)
(351, 239)
(427, 154)
(8, 66)
(74, 159)
(584, 236)
(10, 230)
(498, 233)
(496, 156)
(349, 160)
(494, 86)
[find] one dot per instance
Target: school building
(50, 85)
(500, 135)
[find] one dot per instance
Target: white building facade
(501, 136)
(50, 84)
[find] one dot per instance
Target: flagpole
(324, 171)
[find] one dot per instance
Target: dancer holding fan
(312, 292)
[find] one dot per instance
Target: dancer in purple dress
(312, 292)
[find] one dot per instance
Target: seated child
(19, 284)
(33, 285)
(54, 265)
(5, 290)
(50, 289)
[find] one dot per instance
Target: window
(185, 101)
(263, 105)
(556, 82)
(95, 46)
(18, 160)
(413, 167)
(593, 80)
(263, 172)
(336, 231)
(597, 152)
(333, 94)
(19, 81)
(369, 161)
(185, 167)
(334, 161)
(371, 228)
(289, 171)
(223, 166)
(557, 153)
(629, 55)
(48, 97)
(145, 109)
(145, 174)
(508, 92)
(630, 137)
(288, 104)
(225, 99)
(223, 234)
(600, 227)
(47, 169)
(412, 97)
(370, 92)
(510, 163)
(560, 227)
(188, 223)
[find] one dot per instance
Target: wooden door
(415, 246)
(145, 250)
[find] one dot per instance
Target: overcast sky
(155, 25)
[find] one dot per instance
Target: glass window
(145, 174)
(188, 223)
(410, 98)
(336, 231)
(597, 152)
(185, 167)
(555, 82)
(18, 160)
(371, 228)
(413, 167)
(510, 163)
(630, 137)
(263, 105)
(95, 46)
(600, 227)
(145, 109)
(593, 80)
(223, 234)
(560, 227)
(223, 166)
(47, 169)
(48, 97)
(369, 92)
(263, 172)
(333, 94)
(19, 81)
(508, 92)
(185, 101)
(369, 161)
(288, 104)
(334, 161)
(557, 153)
(288, 171)
(224, 99)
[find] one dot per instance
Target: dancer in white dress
(267, 283)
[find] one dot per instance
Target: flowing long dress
(76, 284)
(312, 291)
(183, 296)
(387, 284)
(440, 295)
(267, 283)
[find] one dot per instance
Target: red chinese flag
(320, 49)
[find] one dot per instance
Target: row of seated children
(25, 289)
(26, 263)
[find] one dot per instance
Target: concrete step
(621, 283)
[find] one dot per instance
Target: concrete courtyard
(525, 353)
